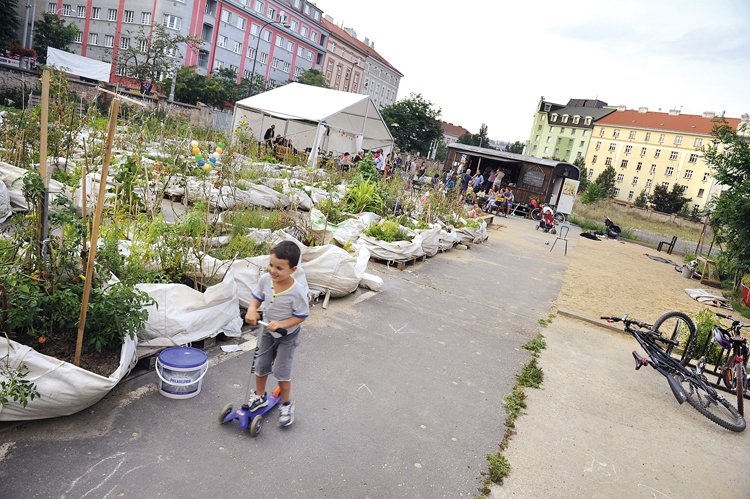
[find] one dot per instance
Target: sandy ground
(613, 277)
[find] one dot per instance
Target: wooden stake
(114, 110)
(43, 225)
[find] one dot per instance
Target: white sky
(488, 61)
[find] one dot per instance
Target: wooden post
(44, 226)
(114, 110)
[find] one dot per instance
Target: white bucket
(181, 371)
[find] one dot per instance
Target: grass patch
(531, 376)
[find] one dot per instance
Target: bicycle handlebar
(652, 334)
(735, 322)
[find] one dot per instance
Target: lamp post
(284, 22)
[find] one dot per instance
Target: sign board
(567, 196)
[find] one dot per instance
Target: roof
(360, 45)
(339, 110)
(688, 123)
(596, 113)
(453, 130)
(502, 155)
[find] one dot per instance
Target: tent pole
(260, 133)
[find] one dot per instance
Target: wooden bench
(487, 218)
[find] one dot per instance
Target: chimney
(622, 107)
(367, 41)
(372, 45)
(351, 32)
(328, 18)
(674, 112)
(643, 110)
(709, 114)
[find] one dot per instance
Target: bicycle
(536, 215)
(686, 384)
(733, 370)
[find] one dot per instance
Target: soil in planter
(102, 363)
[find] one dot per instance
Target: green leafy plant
(257, 218)
(387, 230)
(705, 321)
(333, 211)
(366, 168)
(240, 246)
(13, 385)
(363, 196)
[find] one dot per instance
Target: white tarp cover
(63, 388)
(13, 178)
(79, 65)
(5, 210)
(447, 239)
(430, 239)
(299, 108)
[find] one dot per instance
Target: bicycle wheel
(739, 386)
(712, 405)
(560, 217)
(679, 327)
(536, 214)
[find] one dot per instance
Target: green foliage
(333, 211)
(641, 201)
(667, 201)
(412, 224)
(583, 180)
(366, 168)
(536, 344)
(531, 374)
(477, 139)
(240, 246)
(257, 218)
(729, 157)
(414, 123)
(705, 321)
(113, 313)
(363, 195)
(313, 77)
(387, 230)
(13, 385)
(9, 13)
(515, 147)
(52, 31)
(606, 180)
(593, 193)
(499, 468)
(514, 404)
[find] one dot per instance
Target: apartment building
(236, 34)
(563, 131)
(381, 78)
(655, 148)
(452, 132)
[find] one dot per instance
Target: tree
(583, 179)
(9, 13)
(606, 180)
(414, 123)
(151, 54)
(53, 32)
(667, 201)
(729, 157)
(468, 139)
(642, 199)
(313, 77)
(480, 139)
(188, 86)
(516, 147)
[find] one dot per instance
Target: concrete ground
(398, 395)
(598, 428)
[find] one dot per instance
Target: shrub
(363, 196)
(593, 193)
(387, 230)
(705, 321)
(240, 246)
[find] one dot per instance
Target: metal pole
(26, 25)
(33, 22)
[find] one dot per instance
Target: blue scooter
(247, 418)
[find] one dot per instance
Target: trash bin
(687, 271)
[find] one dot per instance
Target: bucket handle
(186, 384)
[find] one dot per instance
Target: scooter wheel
(224, 413)
(256, 426)
(552, 231)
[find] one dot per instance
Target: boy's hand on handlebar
(252, 317)
(273, 326)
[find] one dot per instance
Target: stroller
(547, 222)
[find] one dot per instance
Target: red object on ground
(746, 295)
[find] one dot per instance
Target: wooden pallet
(400, 265)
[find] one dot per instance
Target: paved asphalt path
(398, 394)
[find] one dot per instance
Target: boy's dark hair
(287, 250)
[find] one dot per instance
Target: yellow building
(648, 149)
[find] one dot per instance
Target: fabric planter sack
(397, 251)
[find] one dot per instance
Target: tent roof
(339, 110)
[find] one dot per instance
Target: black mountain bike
(686, 384)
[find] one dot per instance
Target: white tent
(314, 117)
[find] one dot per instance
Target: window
(665, 185)
(109, 41)
(218, 64)
(657, 153)
(628, 148)
(250, 53)
(316, 15)
(67, 9)
(635, 180)
(705, 176)
(234, 68)
(649, 183)
(559, 139)
(266, 35)
(146, 18)
(598, 145)
(246, 74)
(565, 118)
(301, 51)
(81, 11)
(263, 58)
(271, 14)
(297, 3)
(275, 63)
(93, 38)
(612, 147)
(303, 31)
(128, 16)
(237, 48)
(562, 130)
(591, 172)
(548, 139)
(124, 43)
(700, 193)
(258, 6)
(593, 159)
(112, 15)
(647, 137)
(279, 41)
(643, 151)
(615, 133)
(226, 16)
(143, 46)
(678, 140)
(254, 29)
(51, 8)
(554, 117)
(172, 22)
(669, 172)
(587, 121)
(576, 119)
(688, 174)
(536, 139)
(652, 169)
(630, 195)
(617, 191)
(314, 36)
(698, 142)
(295, 26)
(221, 41)
(639, 166)
(286, 67)
(673, 156)
(307, 9)
(608, 161)
(661, 138)
(582, 143)
(546, 149)
(624, 163)
(620, 177)
(79, 37)
(121, 70)
(631, 135)
(241, 23)
(601, 132)
(572, 131)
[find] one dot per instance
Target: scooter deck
(245, 417)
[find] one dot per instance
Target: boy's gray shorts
(276, 358)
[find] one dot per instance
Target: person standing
(268, 136)
(490, 180)
(498, 179)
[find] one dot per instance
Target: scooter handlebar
(281, 330)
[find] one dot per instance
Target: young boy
(286, 307)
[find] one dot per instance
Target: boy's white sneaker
(286, 414)
(257, 401)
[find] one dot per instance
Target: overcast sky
(482, 61)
